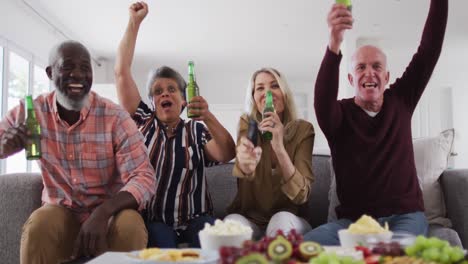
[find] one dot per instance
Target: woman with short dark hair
(179, 150)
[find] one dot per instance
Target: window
(18, 83)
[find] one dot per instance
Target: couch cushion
(222, 187)
(431, 155)
(316, 210)
(446, 234)
(20, 195)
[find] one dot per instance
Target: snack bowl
(350, 240)
(404, 239)
(230, 233)
(210, 241)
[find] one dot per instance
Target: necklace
(168, 128)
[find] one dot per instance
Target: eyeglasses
(159, 90)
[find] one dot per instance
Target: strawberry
(365, 251)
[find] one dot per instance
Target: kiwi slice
(280, 249)
(254, 258)
(309, 249)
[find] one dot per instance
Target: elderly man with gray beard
(94, 165)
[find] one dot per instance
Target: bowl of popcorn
(224, 233)
(365, 231)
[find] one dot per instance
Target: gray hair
(165, 72)
(54, 52)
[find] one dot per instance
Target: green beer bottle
(269, 107)
(192, 87)
(347, 3)
(33, 144)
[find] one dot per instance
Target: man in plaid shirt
(95, 167)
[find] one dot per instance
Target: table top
(112, 257)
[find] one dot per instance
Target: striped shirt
(179, 161)
(90, 161)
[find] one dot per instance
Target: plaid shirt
(89, 162)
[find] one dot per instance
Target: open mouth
(368, 85)
(76, 88)
(166, 104)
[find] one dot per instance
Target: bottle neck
(29, 107)
(191, 77)
(30, 113)
(269, 101)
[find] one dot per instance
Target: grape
(279, 232)
(436, 250)
(431, 254)
(411, 251)
(388, 249)
(456, 255)
(444, 258)
(332, 258)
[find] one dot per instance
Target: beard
(69, 104)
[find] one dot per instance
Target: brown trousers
(50, 232)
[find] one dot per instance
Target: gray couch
(20, 194)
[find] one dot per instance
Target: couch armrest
(455, 187)
(20, 195)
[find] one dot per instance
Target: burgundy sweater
(373, 157)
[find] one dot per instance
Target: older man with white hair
(370, 134)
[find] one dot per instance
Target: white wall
(21, 27)
(223, 86)
(27, 32)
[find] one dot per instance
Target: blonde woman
(275, 177)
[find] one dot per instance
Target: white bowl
(214, 242)
(350, 240)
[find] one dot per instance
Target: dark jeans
(412, 223)
(164, 236)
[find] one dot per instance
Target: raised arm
(418, 73)
(127, 90)
(326, 106)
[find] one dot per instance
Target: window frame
(33, 61)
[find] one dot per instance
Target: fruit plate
(206, 257)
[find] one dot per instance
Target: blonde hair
(289, 113)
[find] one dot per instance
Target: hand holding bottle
(339, 19)
(13, 140)
(198, 109)
(272, 123)
(138, 12)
